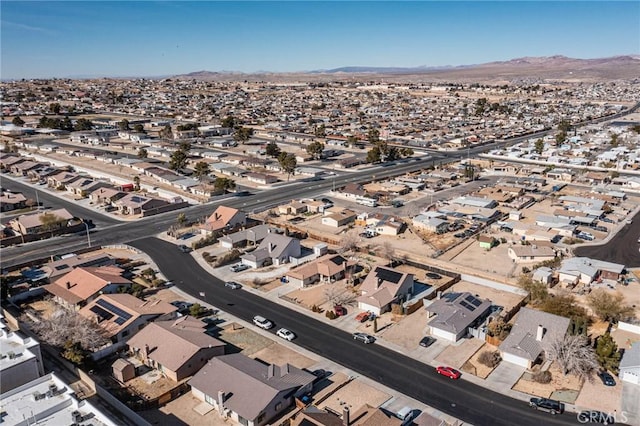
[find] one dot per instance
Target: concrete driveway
(630, 404)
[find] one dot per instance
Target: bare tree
(65, 326)
(573, 355)
(388, 251)
(338, 296)
(609, 307)
(350, 241)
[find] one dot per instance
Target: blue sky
(150, 38)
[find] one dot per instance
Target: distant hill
(530, 68)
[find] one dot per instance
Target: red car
(340, 310)
(449, 372)
(363, 316)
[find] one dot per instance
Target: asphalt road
(623, 248)
(48, 200)
(459, 398)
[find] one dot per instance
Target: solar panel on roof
(467, 306)
(120, 321)
(117, 311)
(101, 312)
(476, 302)
(388, 275)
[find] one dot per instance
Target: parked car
(449, 372)
(545, 404)
(239, 267)
(607, 379)
(233, 285)
(606, 219)
(184, 248)
(262, 322)
(363, 316)
(593, 416)
(427, 341)
(182, 306)
(433, 275)
(364, 338)
(340, 310)
(600, 228)
(285, 334)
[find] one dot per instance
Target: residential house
(123, 315)
(11, 201)
(245, 237)
(21, 359)
(249, 392)
(59, 180)
(177, 348)
(24, 167)
(224, 218)
(630, 365)
(531, 334)
(134, 204)
(106, 196)
(353, 190)
(83, 284)
(275, 249)
(486, 241)
(430, 224)
(366, 415)
(294, 207)
(337, 217)
(531, 253)
(85, 186)
(56, 268)
(543, 275)
(261, 178)
(37, 222)
(385, 224)
(382, 287)
(585, 270)
(328, 268)
(455, 314)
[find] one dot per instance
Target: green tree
(201, 169)
(561, 137)
(537, 291)
(565, 305)
(228, 121)
(564, 126)
(181, 219)
(142, 153)
(607, 353)
(272, 149)
(64, 124)
(136, 183)
(55, 108)
(608, 306)
(196, 310)
(352, 140)
(50, 222)
(242, 134)
(224, 184)
(178, 160)
(614, 140)
(74, 352)
(320, 131)
(315, 149)
(166, 132)
(373, 155)
(636, 128)
(539, 146)
(124, 124)
(82, 124)
(288, 163)
(17, 121)
(138, 128)
(373, 136)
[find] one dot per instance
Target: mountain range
(556, 67)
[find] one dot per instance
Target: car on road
(262, 322)
(433, 276)
(593, 416)
(233, 285)
(607, 379)
(286, 334)
(427, 341)
(545, 404)
(363, 316)
(629, 221)
(364, 337)
(449, 372)
(184, 248)
(239, 267)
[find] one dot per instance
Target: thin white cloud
(26, 27)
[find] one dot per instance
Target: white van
(405, 414)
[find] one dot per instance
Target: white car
(262, 322)
(286, 334)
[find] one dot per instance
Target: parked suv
(262, 322)
(545, 404)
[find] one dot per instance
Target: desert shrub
(315, 308)
(228, 258)
(331, 315)
(543, 377)
(490, 359)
